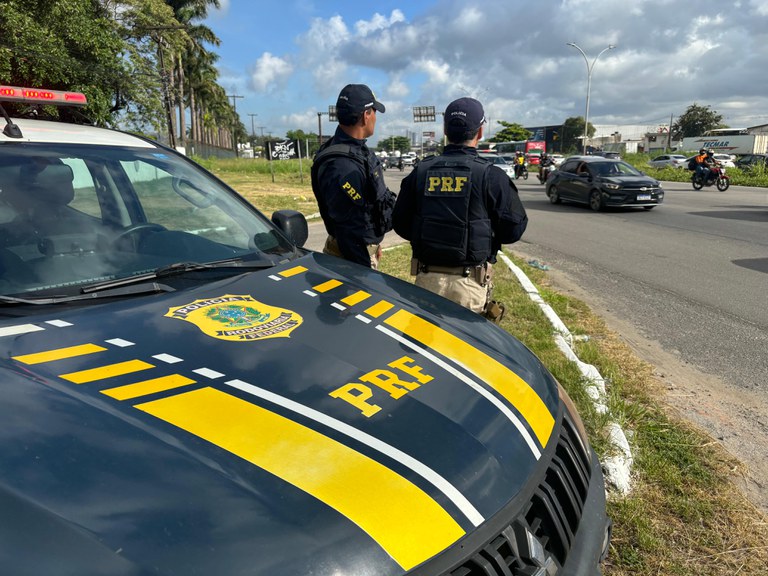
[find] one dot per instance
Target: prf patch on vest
(349, 190)
(448, 181)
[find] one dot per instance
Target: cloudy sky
(288, 60)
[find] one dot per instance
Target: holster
(494, 311)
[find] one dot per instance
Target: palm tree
(188, 12)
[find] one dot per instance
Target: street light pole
(589, 86)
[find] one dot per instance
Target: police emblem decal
(237, 318)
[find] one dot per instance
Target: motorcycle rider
(705, 161)
(519, 164)
(545, 162)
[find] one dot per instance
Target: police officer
(457, 210)
(348, 182)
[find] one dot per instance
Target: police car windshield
(73, 215)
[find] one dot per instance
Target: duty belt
(457, 270)
(480, 272)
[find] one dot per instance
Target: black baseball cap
(463, 116)
(354, 99)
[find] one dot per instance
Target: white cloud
(269, 72)
(378, 22)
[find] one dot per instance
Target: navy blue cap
(463, 116)
(354, 99)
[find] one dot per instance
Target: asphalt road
(691, 274)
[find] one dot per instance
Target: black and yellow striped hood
(315, 418)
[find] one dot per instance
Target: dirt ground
(735, 418)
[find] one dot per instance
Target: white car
(673, 160)
(725, 160)
(499, 162)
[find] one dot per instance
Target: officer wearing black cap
(348, 182)
(457, 210)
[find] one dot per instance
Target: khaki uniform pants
(332, 247)
(464, 290)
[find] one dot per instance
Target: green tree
(63, 45)
(695, 121)
(510, 132)
(392, 143)
(571, 135)
(300, 135)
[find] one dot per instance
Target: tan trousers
(464, 290)
(332, 247)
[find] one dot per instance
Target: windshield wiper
(177, 269)
(154, 287)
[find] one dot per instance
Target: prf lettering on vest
(351, 192)
(381, 381)
(447, 183)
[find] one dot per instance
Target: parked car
(601, 182)
(672, 160)
(187, 390)
(749, 161)
(724, 160)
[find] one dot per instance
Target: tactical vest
(452, 226)
(378, 199)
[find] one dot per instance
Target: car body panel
(206, 397)
(183, 402)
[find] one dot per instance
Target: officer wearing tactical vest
(348, 182)
(457, 210)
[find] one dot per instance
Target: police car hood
(315, 418)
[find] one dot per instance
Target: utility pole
(261, 128)
(669, 133)
(234, 131)
(253, 133)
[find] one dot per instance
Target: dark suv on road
(601, 182)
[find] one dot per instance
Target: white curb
(617, 468)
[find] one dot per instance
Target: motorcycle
(544, 172)
(521, 170)
(716, 176)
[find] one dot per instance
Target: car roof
(62, 132)
(591, 158)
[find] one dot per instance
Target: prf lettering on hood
(380, 381)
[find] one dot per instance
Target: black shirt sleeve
(405, 207)
(342, 185)
(505, 209)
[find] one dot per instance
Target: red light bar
(42, 96)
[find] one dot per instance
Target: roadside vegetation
(685, 514)
(757, 176)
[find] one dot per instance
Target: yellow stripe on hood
(405, 521)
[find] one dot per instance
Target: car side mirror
(293, 224)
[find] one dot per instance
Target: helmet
(710, 152)
(703, 151)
